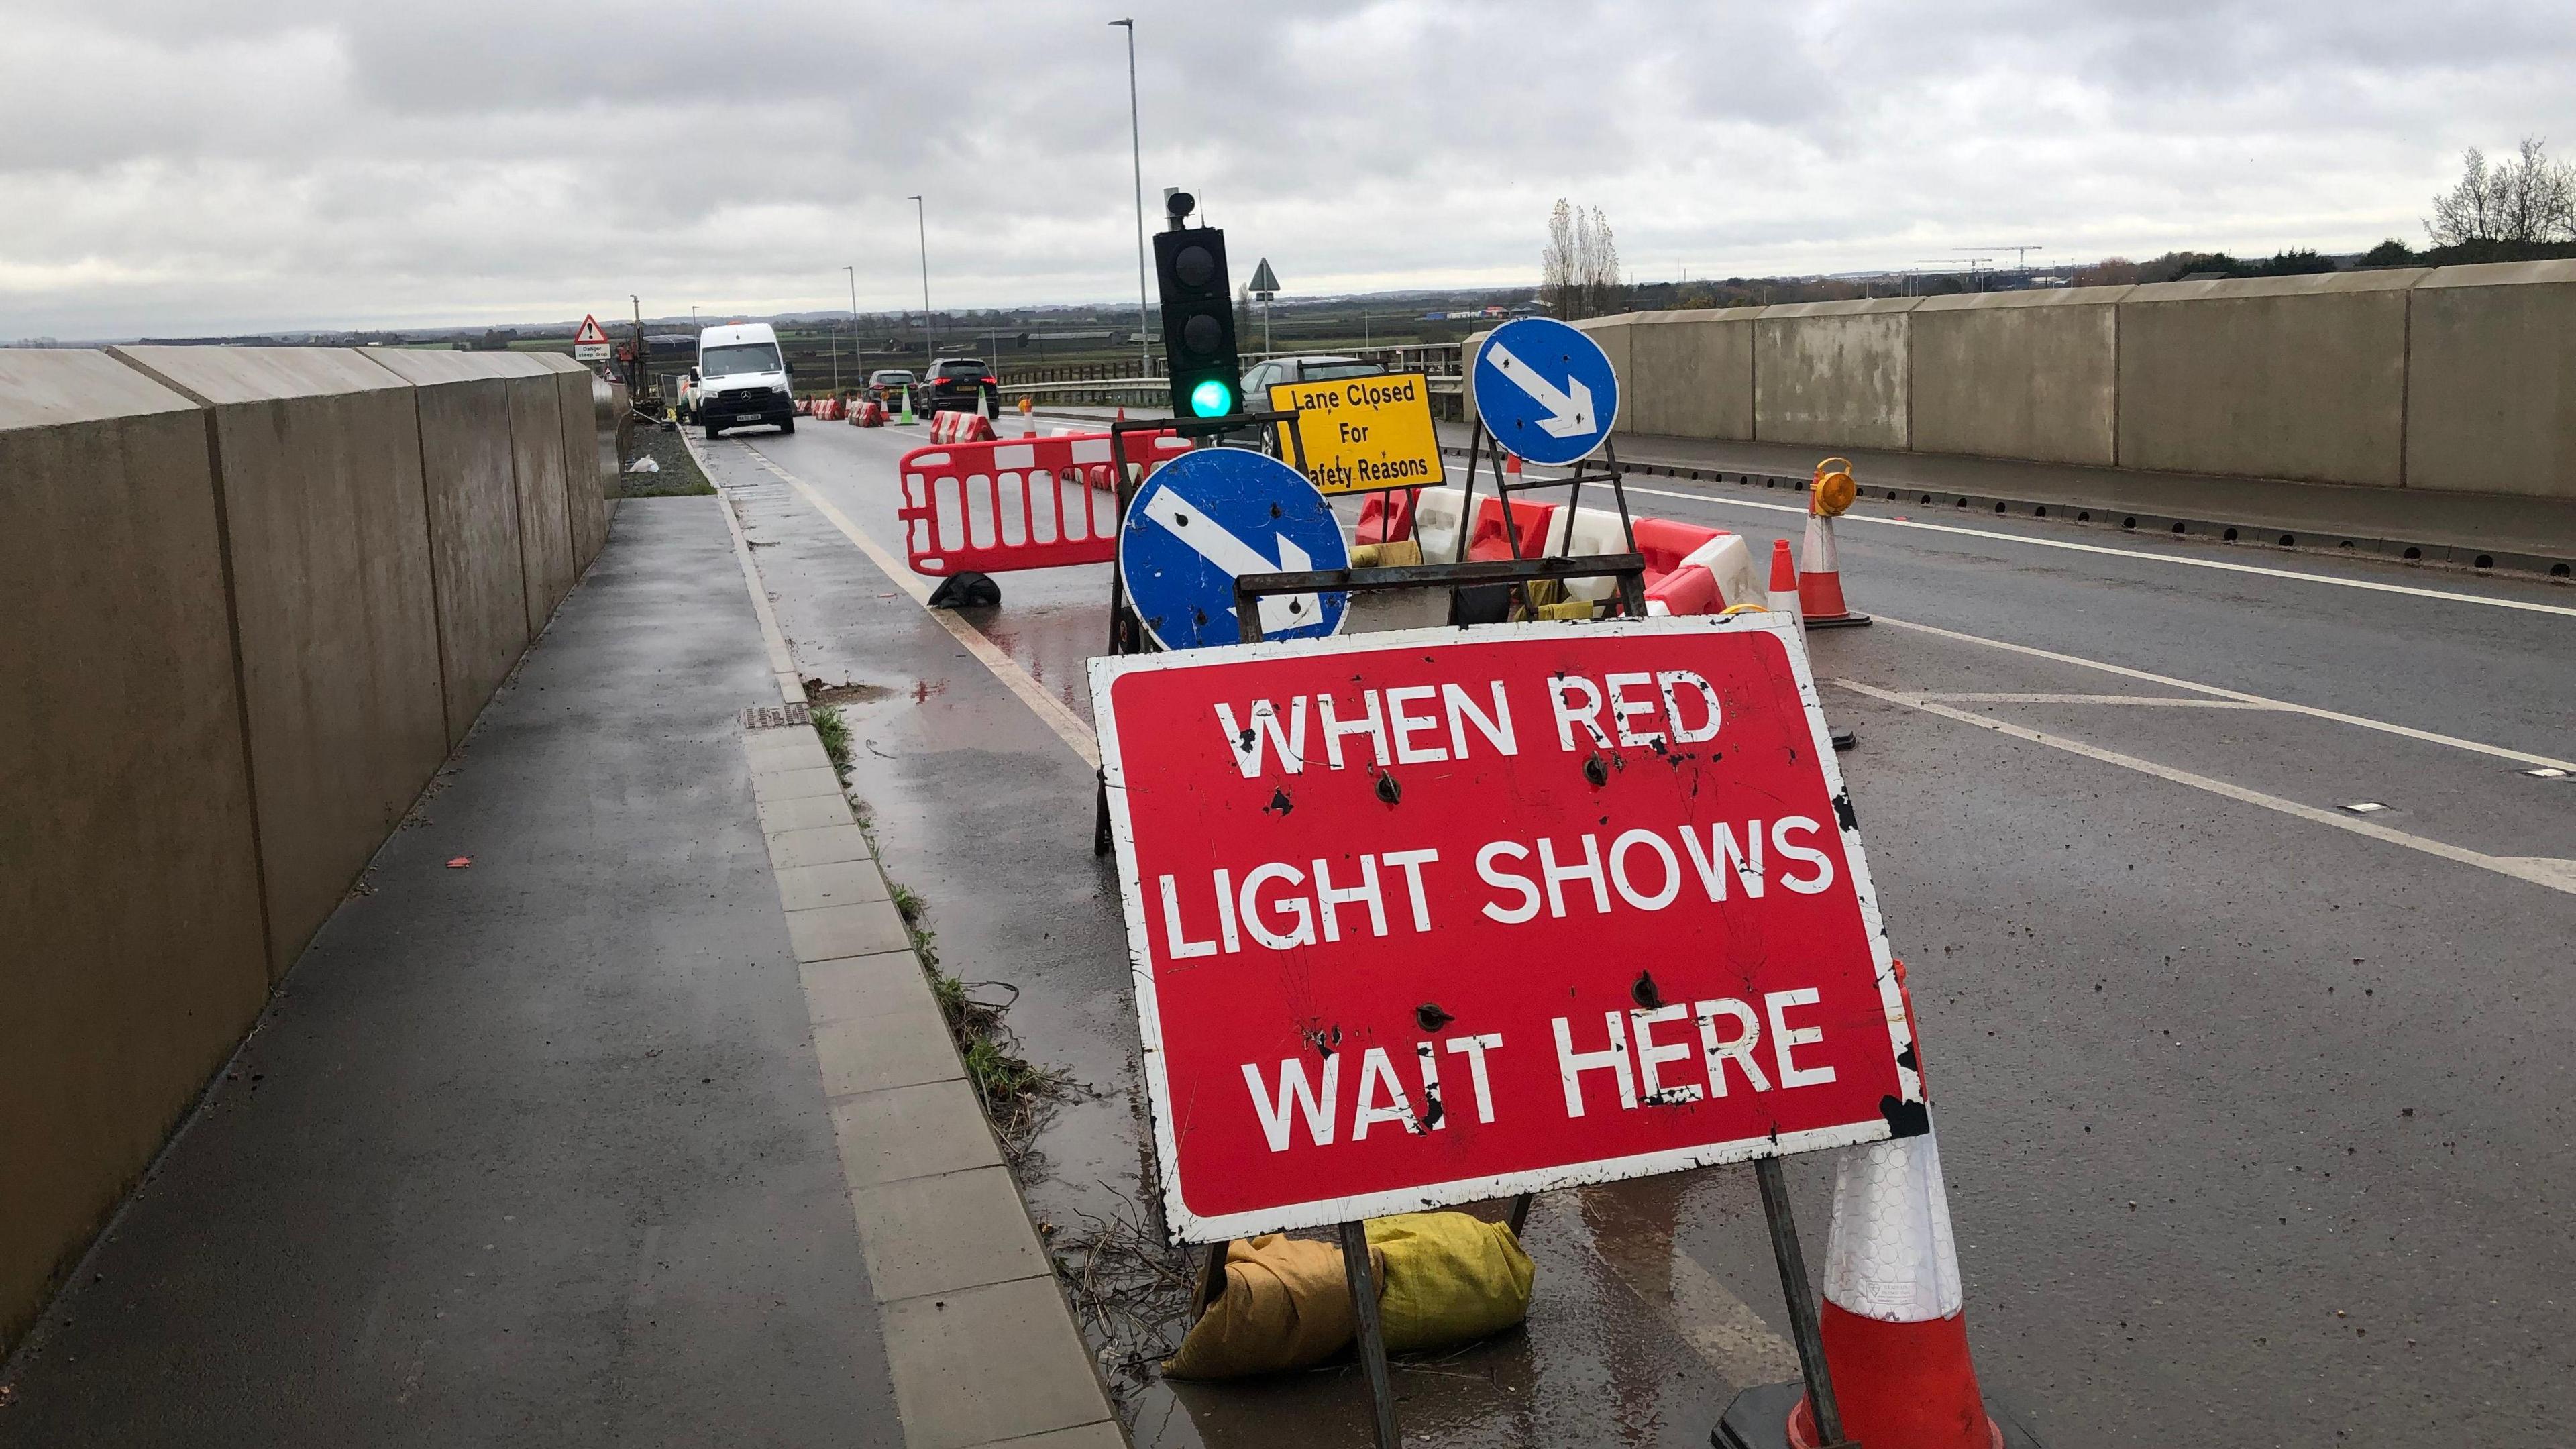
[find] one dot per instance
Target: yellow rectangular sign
(1363, 434)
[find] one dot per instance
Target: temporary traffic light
(1198, 316)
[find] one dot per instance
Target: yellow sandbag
(1286, 1305)
(1447, 1278)
(1401, 553)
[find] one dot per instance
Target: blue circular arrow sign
(1207, 517)
(1545, 390)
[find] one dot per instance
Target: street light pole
(854, 322)
(921, 224)
(1136, 152)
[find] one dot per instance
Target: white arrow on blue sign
(1545, 390)
(1208, 517)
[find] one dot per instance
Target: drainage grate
(773, 716)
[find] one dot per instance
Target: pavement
(612, 1107)
(2253, 1104)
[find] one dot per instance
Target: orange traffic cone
(1784, 579)
(1894, 1320)
(1820, 579)
(1511, 469)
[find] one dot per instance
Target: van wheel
(712, 430)
(786, 425)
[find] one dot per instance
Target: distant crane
(2021, 254)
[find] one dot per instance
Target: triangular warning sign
(589, 332)
(1264, 280)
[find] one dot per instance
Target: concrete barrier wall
(2491, 380)
(2283, 377)
(2017, 375)
(1832, 373)
(130, 906)
(545, 489)
(2458, 379)
(1690, 374)
(336, 608)
(249, 597)
(469, 472)
(586, 504)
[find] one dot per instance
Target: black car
(887, 387)
(959, 384)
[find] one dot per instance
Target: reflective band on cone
(1784, 580)
(1894, 1320)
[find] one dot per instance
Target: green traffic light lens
(1212, 399)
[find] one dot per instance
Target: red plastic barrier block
(1691, 590)
(1530, 521)
(1386, 517)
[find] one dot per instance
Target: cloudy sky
(190, 168)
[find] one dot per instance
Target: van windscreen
(741, 358)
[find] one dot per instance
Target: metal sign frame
(1349, 1216)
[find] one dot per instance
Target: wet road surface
(2255, 1107)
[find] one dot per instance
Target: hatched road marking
(2009, 697)
(2215, 692)
(2557, 875)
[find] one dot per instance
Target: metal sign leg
(1802, 1301)
(1372, 1345)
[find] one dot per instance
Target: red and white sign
(590, 344)
(1439, 916)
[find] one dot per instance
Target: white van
(743, 379)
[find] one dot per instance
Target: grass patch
(679, 476)
(834, 732)
(1014, 1091)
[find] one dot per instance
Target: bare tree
(2526, 198)
(1579, 270)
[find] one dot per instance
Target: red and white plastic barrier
(995, 505)
(953, 426)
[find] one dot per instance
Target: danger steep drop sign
(1432, 917)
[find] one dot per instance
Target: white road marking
(2446, 595)
(2557, 875)
(2011, 697)
(2215, 692)
(1051, 711)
